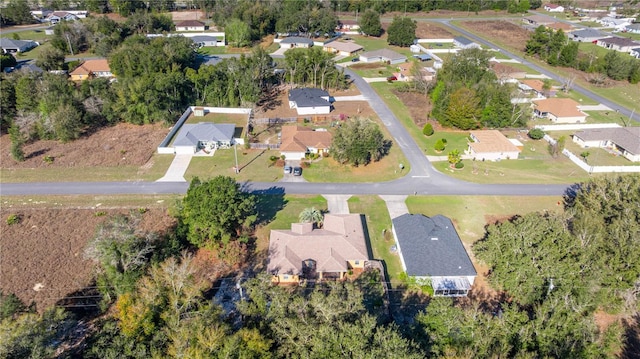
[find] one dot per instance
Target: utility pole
(69, 42)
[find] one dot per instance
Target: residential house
(633, 28)
(621, 44)
(347, 25)
(537, 20)
(624, 140)
(207, 41)
(10, 46)
(559, 110)
(342, 48)
(553, 8)
(330, 252)
(635, 52)
(464, 43)
(492, 145)
(297, 141)
(310, 101)
(538, 88)
(57, 16)
(585, 35)
(203, 136)
(383, 55)
(91, 69)
(423, 57)
(296, 42)
(190, 25)
(431, 251)
(406, 71)
(616, 23)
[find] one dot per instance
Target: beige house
(559, 110)
(342, 48)
(190, 25)
(491, 145)
(624, 140)
(305, 252)
(90, 69)
(297, 141)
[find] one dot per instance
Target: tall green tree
(238, 33)
(17, 143)
(370, 23)
(401, 32)
(217, 211)
(358, 142)
(463, 110)
(17, 12)
(50, 59)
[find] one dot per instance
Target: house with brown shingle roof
(297, 141)
(560, 110)
(621, 44)
(91, 69)
(560, 26)
(342, 48)
(305, 252)
(190, 25)
(625, 140)
(491, 145)
(538, 87)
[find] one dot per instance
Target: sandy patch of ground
(509, 33)
(42, 255)
(426, 30)
(187, 15)
(119, 145)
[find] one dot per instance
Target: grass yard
(91, 201)
(598, 156)
(456, 140)
(254, 165)
(371, 43)
(578, 97)
(609, 117)
(380, 235)
(630, 35)
(399, 109)
(377, 69)
(35, 35)
(590, 24)
(213, 50)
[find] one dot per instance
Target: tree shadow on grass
(268, 203)
(631, 337)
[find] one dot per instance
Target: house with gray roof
(308, 253)
(383, 55)
(207, 40)
(205, 136)
(310, 101)
(621, 44)
(296, 42)
(462, 42)
(624, 140)
(11, 46)
(633, 28)
(635, 52)
(585, 35)
(431, 251)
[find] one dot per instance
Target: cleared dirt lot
(505, 32)
(119, 145)
(42, 256)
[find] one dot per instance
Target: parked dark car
(288, 169)
(297, 171)
(355, 59)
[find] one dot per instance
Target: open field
(117, 153)
(254, 165)
(380, 234)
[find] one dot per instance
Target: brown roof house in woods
(297, 141)
(305, 252)
(90, 69)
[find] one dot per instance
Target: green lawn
(378, 223)
(578, 97)
(457, 140)
(367, 70)
(371, 43)
(590, 24)
(630, 35)
(254, 165)
(35, 35)
(159, 166)
(84, 201)
(212, 50)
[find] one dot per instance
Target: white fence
(599, 169)
(435, 41)
(572, 127)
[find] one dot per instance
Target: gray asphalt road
(628, 113)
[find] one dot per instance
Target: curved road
(422, 178)
(623, 111)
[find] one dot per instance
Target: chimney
(301, 228)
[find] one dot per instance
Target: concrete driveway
(337, 204)
(176, 171)
(396, 205)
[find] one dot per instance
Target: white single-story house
(296, 42)
(310, 101)
(190, 25)
(57, 16)
(297, 141)
(554, 8)
(431, 251)
(464, 43)
(347, 25)
(633, 28)
(10, 46)
(559, 110)
(207, 41)
(383, 55)
(206, 136)
(621, 44)
(585, 35)
(491, 145)
(342, 48)
(625, 140)
(635, 52)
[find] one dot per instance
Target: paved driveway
(176, 171)
(337, 204)
(396, 205)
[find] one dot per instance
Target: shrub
(100, 213)
(48, 159)
(536, 134)
(444, 140)
(273, 158)
(439, 146)
(13, 219)
(459, 165)
(305, 164)
(142, 210)
(427, 130)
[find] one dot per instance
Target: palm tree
(312, 215)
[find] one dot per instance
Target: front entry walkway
(396, 205)
(176, 171)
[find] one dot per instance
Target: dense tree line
(467, 94)
(313, 67)
(555, 48)
(384, 6)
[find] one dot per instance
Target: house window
(285, 277)
(357, 262)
